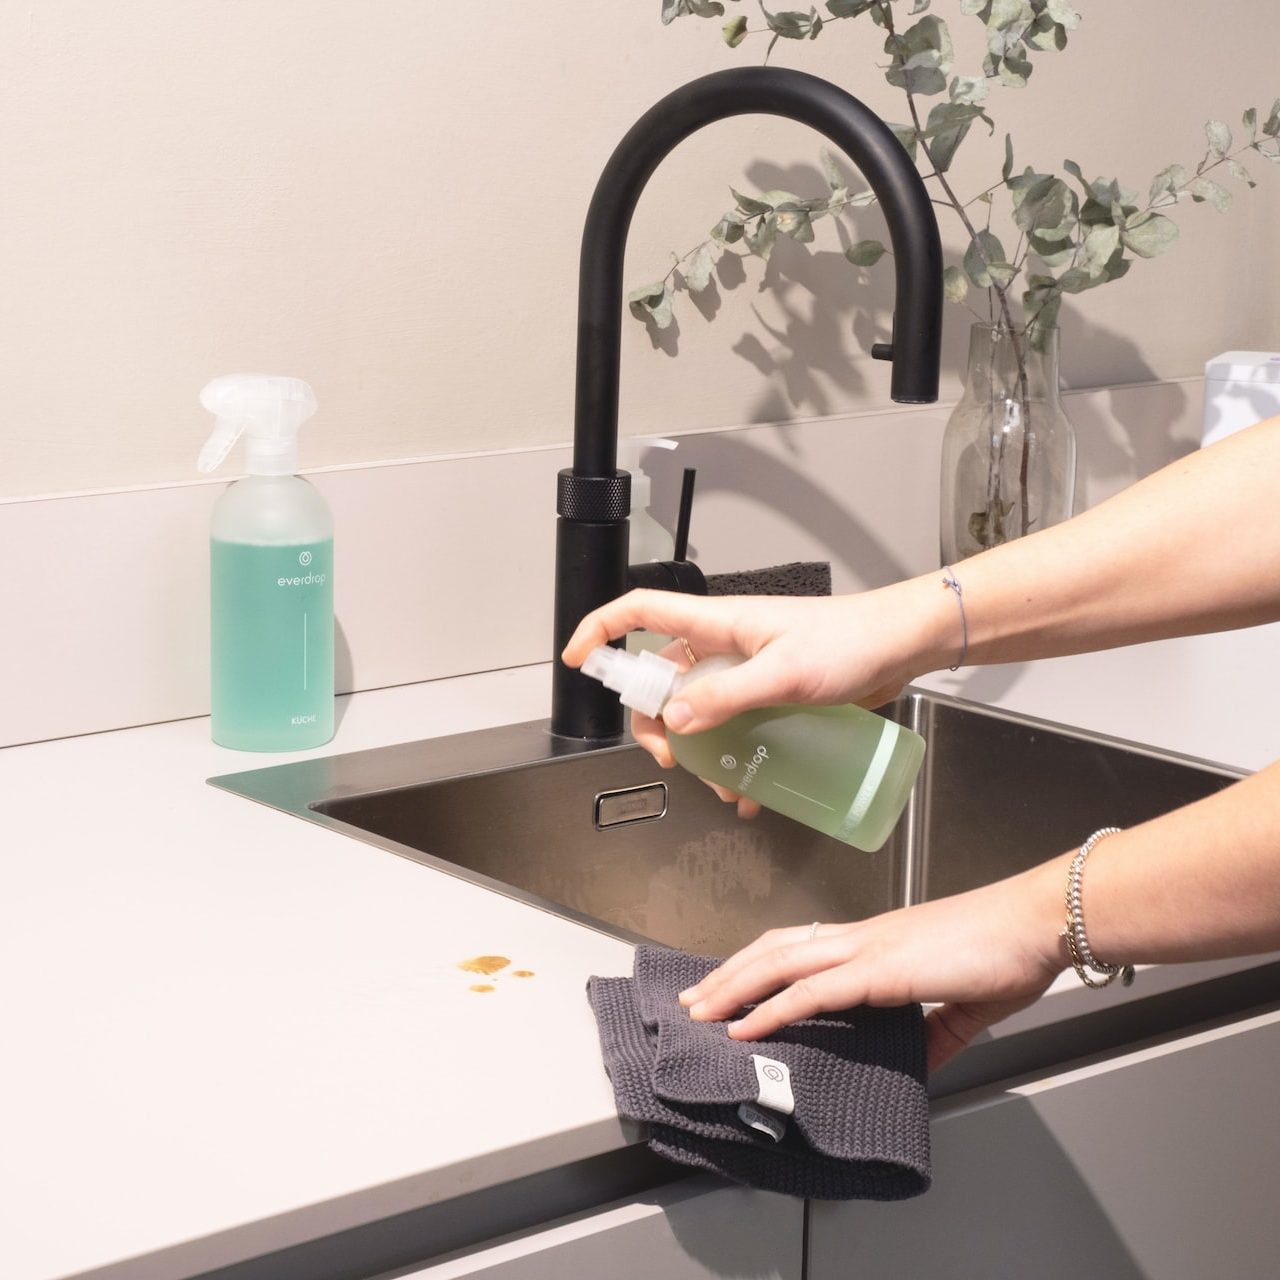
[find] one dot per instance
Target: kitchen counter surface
(228, 1031)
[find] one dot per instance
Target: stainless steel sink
(607, 838)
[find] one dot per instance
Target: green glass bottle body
(842, 770)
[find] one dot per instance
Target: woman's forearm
(1194, 547)
(1200, 883)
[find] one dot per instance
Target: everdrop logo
(305, 558)
(753, 767)
(728, 763)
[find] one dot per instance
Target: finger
(818, 993)
(712, 699)
(705, 623)
(748, 810)
(652, 736)
(765, 943)
(769, 972)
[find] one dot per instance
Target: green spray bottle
(844, 771)
(271, 573)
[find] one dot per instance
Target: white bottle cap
(642, 681)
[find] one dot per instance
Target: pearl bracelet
(1082, 958)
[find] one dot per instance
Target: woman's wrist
(934, 626)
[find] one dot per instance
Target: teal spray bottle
(844, 771)
(271, 573)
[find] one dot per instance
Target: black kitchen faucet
(593, 497)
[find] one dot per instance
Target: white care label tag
(772, 1126)
(773, 1082)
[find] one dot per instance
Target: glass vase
(1009, 451)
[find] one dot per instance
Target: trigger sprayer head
(269, 408)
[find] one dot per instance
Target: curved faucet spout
(850, 126)
(594, 498)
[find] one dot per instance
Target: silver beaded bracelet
(1073, 931)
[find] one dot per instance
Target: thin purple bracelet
(952, 583)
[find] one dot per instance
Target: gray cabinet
(1161, 1164)
(696, 1229)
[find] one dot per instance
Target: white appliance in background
(1240, 388)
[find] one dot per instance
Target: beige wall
(386, 198)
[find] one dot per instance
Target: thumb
(952, 1027)
(712, 699)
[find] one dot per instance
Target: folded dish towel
(832, 1108)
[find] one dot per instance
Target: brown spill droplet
(480, 986)
(484, 964)
(522, 973)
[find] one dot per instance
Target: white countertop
(227, 1030)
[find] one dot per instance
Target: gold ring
(688, 651)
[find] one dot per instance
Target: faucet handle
(681, 551)
(678, 573)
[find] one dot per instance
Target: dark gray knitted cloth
(801, 578)
(860, 1125)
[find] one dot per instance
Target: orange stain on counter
(522, 973)
(488, 965)
(481, 986)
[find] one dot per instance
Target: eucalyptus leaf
(920, 6)
(729, 229)
(1010, 13)
(1149, 235)
(735, 31)
(795, 224)
(1007, 170)
(1271, 126)
(749, 204)
(673, 9)
(1219, 137)
(653, 300)
(907, 135)
(968, 89)
(1053, 253)
(830, 171)
(1015, 69)
(866, 253)
(1099, 243)
(849, 8)
(1042, 34)
(791, 24)
(1203, 189)
(1063, 14)
(1164, 186)
(969, 7)
(1044, 204)
(947, 126)
(921, 56)
(955, 287)
(697, 275)
(1240, 173)
(981, 255)
(761, 235)
(1250, 122)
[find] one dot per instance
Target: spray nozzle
(269, 409)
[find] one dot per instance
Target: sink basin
(608, 839)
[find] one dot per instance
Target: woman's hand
(983, 955)
(824, 650)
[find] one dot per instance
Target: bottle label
(871, 780)
(272, 643)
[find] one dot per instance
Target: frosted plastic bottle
(271, 574)
(844, 771)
